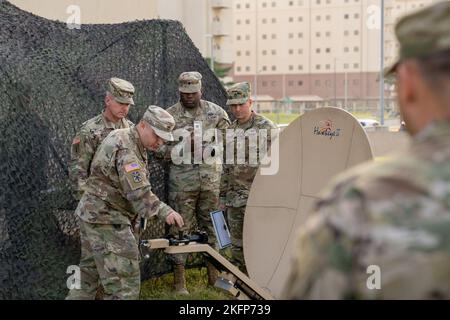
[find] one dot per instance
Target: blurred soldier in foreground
(381, 231)
(237, 178)
(119, 97)
(194, 186)
(118, 192)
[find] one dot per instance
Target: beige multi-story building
(209, 23)
(315, 49)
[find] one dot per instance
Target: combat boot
(179, 280)
(212, 273)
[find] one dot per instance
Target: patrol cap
(423, 33)
(239, 93)
(122, 90)
(161, 122)
(190, 82)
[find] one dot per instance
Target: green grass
(287, 118)
(281, 118)
(196, 283)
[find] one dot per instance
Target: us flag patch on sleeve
(133, 166)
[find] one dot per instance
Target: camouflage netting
(51, 80)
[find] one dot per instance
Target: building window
(345, 65)
(274, 20)
(264, 36)
(274, 36)
(247, 68)
(318, 2)
(346, 33)
(291, 19)
(356, 32)
(291, 51)
(346, 49)
(247, 37)
(274, 4)
(273, 83)
(328, 67)
(238, 21)
(291, 35)
(247, 53)
(300, 3)
(356, 65)
(318, 50)
(264, 52)
(247, 21)
(238, 38)
(238, 6)
(300, 35)
(346, 16)
(317, 83)
(238, 69)
(355, 82)
(290, 83)
(300, 67)
(300, 19)
(274, 52)
(318, 34)
(274, 68)
(318, 67)
(264, 21)
(328, 1)
(328, 50)
(264, 68)
(291, 67)
(356, 15)
(300, 51)
(264, 4)
(264, 83)
(318, 18)
(356, 49)
(328, 17)
(291, 3)
(238, 53)
(328, 33)
(300, 83)
(247, 5)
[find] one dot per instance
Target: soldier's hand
(222, 205)
(175, 217)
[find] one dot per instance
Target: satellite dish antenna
(312, 150)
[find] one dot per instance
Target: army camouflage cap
(422, 33)
(161, 122)
(239, 93)
(122, 90)
(190, 82)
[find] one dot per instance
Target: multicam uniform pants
(195, 208)
(236, 227)
(109, 254)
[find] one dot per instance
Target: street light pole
(382, 66)
(211, 50)
(346, 91)
(335, 97)
(255, 86)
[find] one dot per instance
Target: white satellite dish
(312, 150)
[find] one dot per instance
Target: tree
(221, 72)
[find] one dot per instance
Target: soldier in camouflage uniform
(381, 231)
(118, 192)
(194, 187)
(237, 178)
(119, 97)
